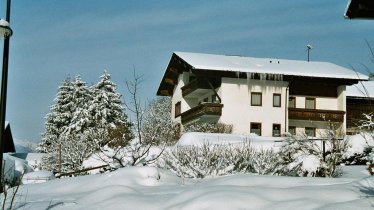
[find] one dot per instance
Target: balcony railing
(198, 87)
(207, 111)
(316, 115)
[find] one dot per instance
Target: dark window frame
(280, 127)
(314, 131)
(292, 128)
(258, 94)
(294, 103)
(314, 100)
(280, 99)
(255, 124)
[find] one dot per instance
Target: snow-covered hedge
(207, 160)
(216, 159)
(196, 158)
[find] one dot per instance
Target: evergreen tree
(67, 127)
(108, 113)
(83, 120)
(60, 115)
(81, 98)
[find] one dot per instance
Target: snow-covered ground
(157, 189)
(154, 189)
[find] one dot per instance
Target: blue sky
(54, 38)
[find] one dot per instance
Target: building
(265, 96)
(8, 140)
(360, 101)
(360, 9)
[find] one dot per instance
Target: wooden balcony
(205, 112)
(199, 87)
(315, 115)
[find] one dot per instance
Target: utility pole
(4, 83)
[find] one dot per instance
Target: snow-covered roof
(268, 66)
(362, 89)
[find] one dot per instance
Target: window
(256, 99)
(206, 100)
(256, 128)
(310, 103)
(292, 102)
(292, 130)
(276, 100)
(177, 110)
(276, 130)
(310, 131)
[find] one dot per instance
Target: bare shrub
(208, 128)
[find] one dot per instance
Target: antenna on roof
(308, 48)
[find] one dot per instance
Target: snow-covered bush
(208, 128)
(134, 154)
(158, 126)
(360, 158)
(264, 161)
(300, 156)
(208, 160)
(359, 149)
(367, 124)
(69, 152)
(205, 160)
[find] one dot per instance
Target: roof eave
(175, 67)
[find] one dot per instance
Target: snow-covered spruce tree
(158, 126)
(76, 120)
(108, 112)
(59, 117)
(82, 99)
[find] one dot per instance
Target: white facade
(238, 111)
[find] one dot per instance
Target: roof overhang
(175, 67)
(360, 9)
